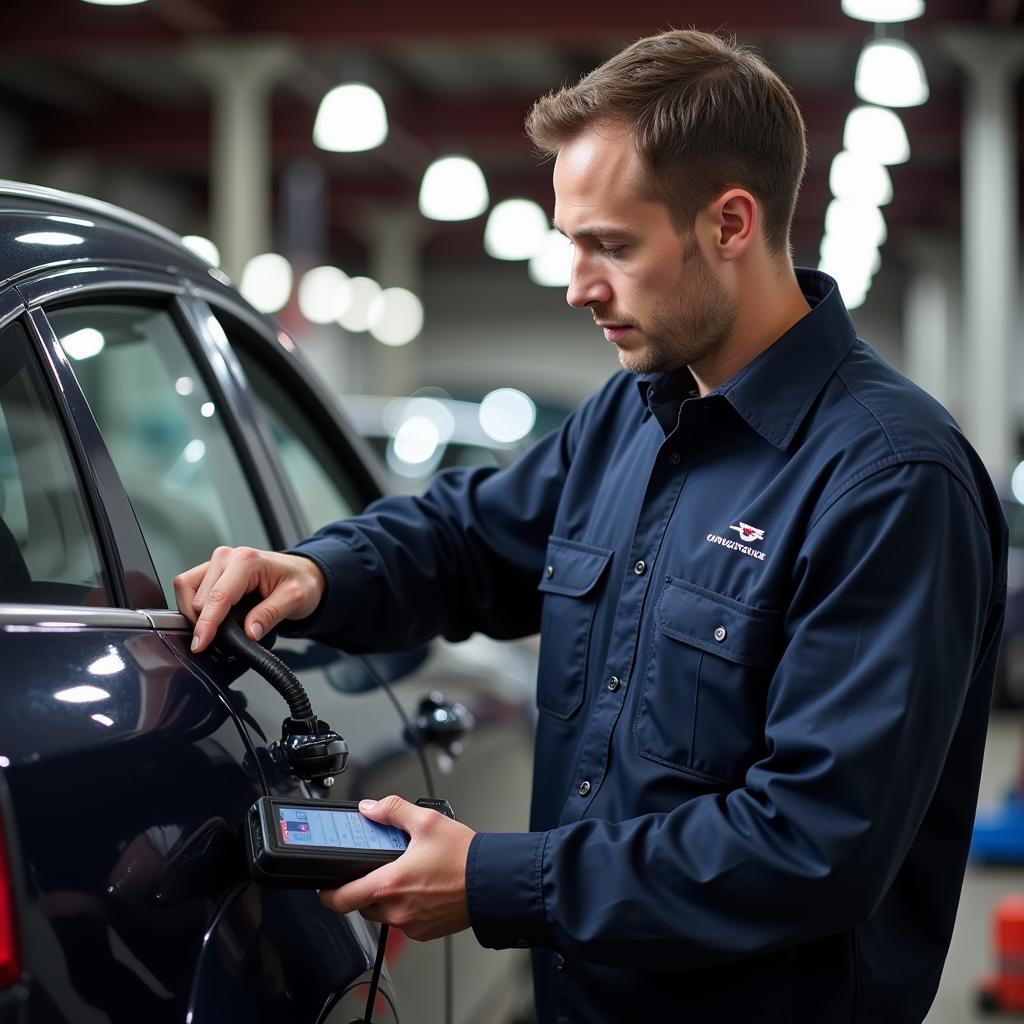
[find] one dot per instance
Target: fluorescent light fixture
(507, 415)
(202, 247)
(890, 73)
(453, 188)
(857, 224)
(351, 119)
(395, 316)
(515, 229)
(82, 694)
(50, 238)
(324, 294)
(837, 254)
(83, 344)
(364, 290)
(876, 133)
(883, 10)
(552, 265)
(416, 440)
(859, 179)
(1017, 483)
(267, 282)
(115, 3)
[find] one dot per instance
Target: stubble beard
(686, 328)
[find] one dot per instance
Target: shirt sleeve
(464, 557)
(896, 610)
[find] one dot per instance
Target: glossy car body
(146, 414)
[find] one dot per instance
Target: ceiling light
(890, 73)
(877, 133)
(857, 224)
(395, 316)
(515, 229)
(82, 694)
(552, 265)
(49, 238)
(837, 254)
(416, 440)
(83, 344)
(202, 247)
(324, 294)
(453, 188)
(507, 415)
(860, 179)
(115, 3)
(267, 282)
(363, 291)
(351, 119)
(883, 10)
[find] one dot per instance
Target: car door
(485, 774)
(181, 472)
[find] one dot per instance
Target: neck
(769, 304)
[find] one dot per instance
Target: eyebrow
(597, 231)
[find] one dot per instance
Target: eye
(612, 251)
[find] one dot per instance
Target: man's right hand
(291, 587)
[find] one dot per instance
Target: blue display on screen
(310, 826)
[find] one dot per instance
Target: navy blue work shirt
(769, 622)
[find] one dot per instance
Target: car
(147, 415)
(416, 435)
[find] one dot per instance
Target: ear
(735, 217)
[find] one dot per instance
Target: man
(769, 574)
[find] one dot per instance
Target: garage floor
(970, 954)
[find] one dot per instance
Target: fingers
(393, 810)
(363, 893)
(185, 586)
(231, 574)
(291, 585)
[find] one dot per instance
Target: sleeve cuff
(345, 578)
(504, 890)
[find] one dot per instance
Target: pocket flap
(571, 568)
(718, 624)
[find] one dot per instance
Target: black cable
(382, 943)
(449, 974)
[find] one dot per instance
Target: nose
(586, 287)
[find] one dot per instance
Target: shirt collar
(775, 390)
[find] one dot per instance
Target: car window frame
(130, 285)
(121, 554)
(307, 391)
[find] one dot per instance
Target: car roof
(137, 237)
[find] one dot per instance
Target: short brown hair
(705, 114)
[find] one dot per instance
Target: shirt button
(559, 962)
(640, 568)
(613, 683)
(549, 571)
(720, 634)
(675, 458)
(584, 788)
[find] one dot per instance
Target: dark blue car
(148, 414)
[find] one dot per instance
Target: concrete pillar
(991, 244)
(395, 237)
(931, 321)
(241, 75)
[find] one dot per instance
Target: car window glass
(164, 432)
(48, 549)
(321, 484)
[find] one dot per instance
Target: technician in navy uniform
(769, 575)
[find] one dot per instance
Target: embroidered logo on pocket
(750, 533)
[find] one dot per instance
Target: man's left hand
(423, 892)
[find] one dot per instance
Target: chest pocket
(571, 584)
(702, 707)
